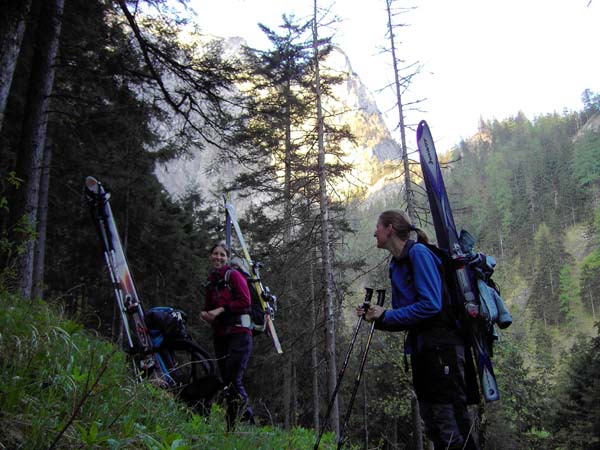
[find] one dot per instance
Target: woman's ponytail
(421, 235)
(401, 224)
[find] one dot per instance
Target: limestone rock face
(375, 156)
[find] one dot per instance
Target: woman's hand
(371, 313)
(210, 316)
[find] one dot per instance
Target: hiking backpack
(257, 314)
(165, 324)
(488, 309)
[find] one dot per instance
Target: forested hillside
(102, 88)
(527, 190)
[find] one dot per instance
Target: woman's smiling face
(218, 257)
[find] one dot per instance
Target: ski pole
(380, 300)
(366, 303)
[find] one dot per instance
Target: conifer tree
(33, 132)
(326, 266)
(544, 299)
(12, 30)
(278, 142)
(108, 75)
(575, 422)
(270, 139)
(569, 295)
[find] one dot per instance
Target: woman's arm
(428, 291)
(211, 308)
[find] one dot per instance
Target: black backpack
(165, 324)
(488, 308)
(257, 313)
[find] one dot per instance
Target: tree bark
(592, 304)
(40, 249)
(12, 29)
(287, 238)
(313, 353)
(417, 422)
(35, 123)
(325, 244)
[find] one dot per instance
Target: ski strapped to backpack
(469, 277)
(149, 337)
(266, 301)
(138, 342)
(489, 311)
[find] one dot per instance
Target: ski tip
(491, 395)
(92, 184)
(420, 128)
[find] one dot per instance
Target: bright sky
(480, 58)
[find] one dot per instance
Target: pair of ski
(138, 342)
(168, 361)
(263, 295)
(448, 240)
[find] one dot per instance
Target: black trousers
(439, 382)
(233, 353)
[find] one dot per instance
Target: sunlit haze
(487, 59)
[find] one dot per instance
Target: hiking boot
(248, 417)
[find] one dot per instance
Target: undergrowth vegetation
(61, 387)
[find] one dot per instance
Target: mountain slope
(372, 149)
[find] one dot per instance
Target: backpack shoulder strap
(394, 262)
(443, 269)
(409, 246)
(227, 276)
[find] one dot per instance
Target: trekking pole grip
(368, 297)
(380, 297)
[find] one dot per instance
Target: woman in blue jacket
(437, 351)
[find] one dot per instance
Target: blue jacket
(416, 290)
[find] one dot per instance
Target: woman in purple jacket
(226, 308)
(436, 349)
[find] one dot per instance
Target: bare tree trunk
(287, 237)
(325, 245)
(34, 127)
(12, 29)
(313, 352)
(40, 249)
(417, 422)
(592, 304)
(408, 192)
(287, 390)
(294, 392)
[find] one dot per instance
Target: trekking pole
(366, 303)
(380, 300)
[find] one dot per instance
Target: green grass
(62, 387)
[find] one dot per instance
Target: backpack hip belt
(244, 321)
